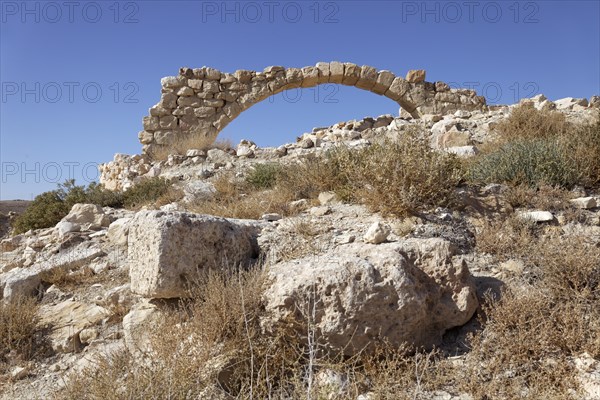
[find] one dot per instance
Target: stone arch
(202, 101)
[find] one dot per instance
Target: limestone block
(150, 123)
(210, 86)
(168, 250)
(410, 292)
(203, 112)
(189, 101)
(323, 68)
(384, 81)
(244, 76)
(173, 81)
(416, 75)
(351, 74)
(368, 77)
(397, 89)
(212, 74)
(336, 72)
(168, 122)
(168, 100)
(311, 76)
(195, 84)
(185, 91)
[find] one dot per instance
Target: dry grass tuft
(549, 198)
(18, 331)
(526, 122)
(182, 143)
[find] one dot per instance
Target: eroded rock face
(360, 293)
(167, 250)
(26, 281)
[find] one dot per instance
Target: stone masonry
(202, 101)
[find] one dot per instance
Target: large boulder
(168, 250)
(90, 216)
(361, 293)
(118, 231)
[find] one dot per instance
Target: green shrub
(531, 162)
(263, 176)
(149, 191)
(48, 208)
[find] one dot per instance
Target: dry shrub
(526, 122)
(582, 145)
(400, 177)
(532, 162)
(154, 192)
(407, 374)
(66, 279)
(210, 344)
(518, 355)
(537, 148)
(533, 331)
(507, 238)
(309, 177)
(298, 238)
(18, 328)
(234, 199)
(549, 198)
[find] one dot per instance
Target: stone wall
(202, 101)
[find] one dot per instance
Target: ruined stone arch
(202, 101)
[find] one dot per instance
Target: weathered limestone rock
(416, 75)
(336, 72)
(168, 250)
(362, 293)
(326, 198)
(568, 103)
(89, 216)
(65, 227)
(67, 320)
(26, 281)
(536, 216)
(118, 231)
(198, 190)
(384, 81)
(377, 233)
(137, 328)
(584, 202)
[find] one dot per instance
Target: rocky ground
(101, 273)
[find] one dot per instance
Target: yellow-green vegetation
(152, 191)
(264, 176)
(537, 148)
(396, 177)
(48, 208)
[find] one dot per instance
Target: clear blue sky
(77, 77)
